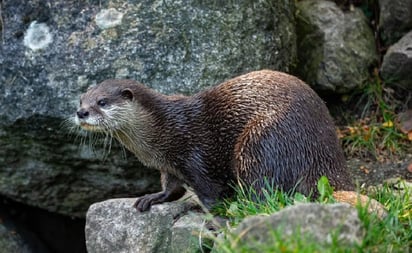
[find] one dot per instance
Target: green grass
(245, 204)
(394, 233)
(391, 234)
(375, 133)
(297, 243)
(374, 139)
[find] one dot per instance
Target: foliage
(391, 234)
(246, 203)
(325, 190)
(376, 133)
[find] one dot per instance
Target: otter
(261, 129)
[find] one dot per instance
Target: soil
(371, 171)
(367, 172)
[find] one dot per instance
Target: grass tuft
(391, 234)
(246, 203)
(376, 134)
(394, 233)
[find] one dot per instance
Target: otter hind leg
(172, 190)
(259, 160)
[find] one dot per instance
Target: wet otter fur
(259, 128)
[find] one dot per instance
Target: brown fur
(261, 127)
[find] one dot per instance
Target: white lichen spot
(108, 18)
(37, 36)
(122, 73)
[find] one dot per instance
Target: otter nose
(82, 113)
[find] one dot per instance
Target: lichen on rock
(38, 36)
(108, 18)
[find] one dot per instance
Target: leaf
(299, 197)
(324, 188)
(387, 124)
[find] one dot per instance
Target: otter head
(103, 108)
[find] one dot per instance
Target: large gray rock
(318, 222)
(396, 66)
(50, 52)
(41, 165)
(335, 48)
(115, 226)
(395, 19)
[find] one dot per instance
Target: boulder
(319, 222)
(11, 241)
(395, 19)
(115, 226)
(397, 63)
(42, 166)
(14, 238)
(335, 48)
(50, 52)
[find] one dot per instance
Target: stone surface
(397, 63)
(317, 221)
(355, 199)
(11, 240)
(50, 52)
(335, 48)
(41, 165)
(115, 226)
(190, 234)
(405, 121)
(395, 19)
(42, 231)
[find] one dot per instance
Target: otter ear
(127, 94)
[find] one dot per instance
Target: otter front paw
(144, 203)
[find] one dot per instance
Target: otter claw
(144, 203)
(139, 206)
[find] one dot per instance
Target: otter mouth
(89, 127)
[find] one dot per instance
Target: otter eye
(102, 102)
